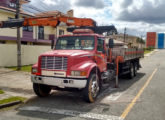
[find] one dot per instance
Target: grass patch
(148, 50)
(11, 99)
(26, 68)
(1, 91)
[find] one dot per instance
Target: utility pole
(125, 29)
(17, 16)
(141, 41)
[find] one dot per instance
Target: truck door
(101, 57)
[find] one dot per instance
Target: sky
(138, 16)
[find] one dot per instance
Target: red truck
(80, 61)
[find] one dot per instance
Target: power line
(45, 6)
(28, 11)
(125, 29)
(29, 6)
(33, 8)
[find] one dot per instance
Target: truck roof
(93, 34)
(83, 32)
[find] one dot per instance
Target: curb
(149, 54)
(10, 104)
(25, 102)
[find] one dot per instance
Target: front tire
(41, 90)
(92, 88)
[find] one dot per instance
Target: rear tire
(135, 68)
(92, 88)
(131, 74)
(41, 90)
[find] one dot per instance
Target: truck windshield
(75, 42)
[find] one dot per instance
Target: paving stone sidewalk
(15, 83)
(4, 96)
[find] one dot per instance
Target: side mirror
(111, 43)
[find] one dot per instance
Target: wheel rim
(95, 86)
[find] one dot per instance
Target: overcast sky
(138, 16)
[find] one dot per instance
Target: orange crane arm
(48, 21)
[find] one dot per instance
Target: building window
(2, 42)
(28, 28)
(23, 43)
(40, 32)
(61, 32)
(10, 18)
(12, 5)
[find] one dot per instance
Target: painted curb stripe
(130, 106)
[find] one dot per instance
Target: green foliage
(1, 91)
(11, 99)
(140, 40)
(149, 49)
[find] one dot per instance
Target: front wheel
(41, 90)
(92, 88)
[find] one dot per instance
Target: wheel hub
(95, 87)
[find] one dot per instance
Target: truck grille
(54, 63)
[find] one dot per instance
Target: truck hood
(67, 53)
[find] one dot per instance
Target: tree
(140, 40)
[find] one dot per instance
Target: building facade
(129, 40)
(155, 40)
(151, 39)
(37, 35)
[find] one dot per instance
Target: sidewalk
(16, 83)
(4, 96)
(149, 54)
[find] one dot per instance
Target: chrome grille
(54, 63)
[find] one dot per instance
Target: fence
(8, 54)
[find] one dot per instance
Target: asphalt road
(142, 98)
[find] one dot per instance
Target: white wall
(8, 54)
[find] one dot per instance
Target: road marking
(115, 96)
(130, 106)
(106, 92)
(86, 115)
(112, 96)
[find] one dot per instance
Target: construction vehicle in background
(81, 60)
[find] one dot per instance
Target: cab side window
(100, 44)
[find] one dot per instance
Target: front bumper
(59, 82)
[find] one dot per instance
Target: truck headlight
(78, 73)
(34, 70)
